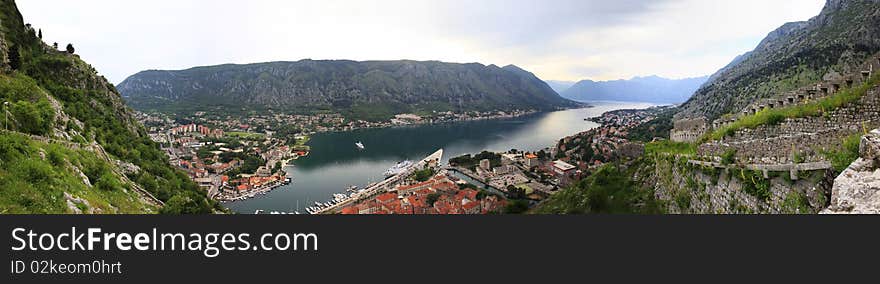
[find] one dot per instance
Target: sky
(567, 40)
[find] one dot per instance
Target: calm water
(335, 164)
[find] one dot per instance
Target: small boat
(359, 145)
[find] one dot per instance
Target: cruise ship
(399, 168)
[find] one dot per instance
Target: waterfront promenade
(385, 185)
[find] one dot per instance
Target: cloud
(556, 39)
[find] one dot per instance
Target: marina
(341, 200)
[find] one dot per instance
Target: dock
(383, 186)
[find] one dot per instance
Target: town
(236, 158)
(507, 182)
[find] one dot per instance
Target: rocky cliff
(347, 86)
(843, 35)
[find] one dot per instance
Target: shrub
(842, 157)
(729, 157)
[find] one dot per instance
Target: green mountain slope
(842, 36)
(72, 145)
(347, 86)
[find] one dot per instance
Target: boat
(359, 145)
(399, 168)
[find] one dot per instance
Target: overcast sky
(555, 39)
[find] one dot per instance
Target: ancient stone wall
(688, 130)
(687, 188)
(801, 139)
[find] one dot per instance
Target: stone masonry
(803, 139)
(688, 130)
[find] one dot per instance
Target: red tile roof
(387, 197)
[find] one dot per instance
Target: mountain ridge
(653, 88)
(842, 36)
(343, 85)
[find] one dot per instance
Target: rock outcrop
(857, 189)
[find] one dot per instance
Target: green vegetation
(728, 157)
(842, 157)
(796, 203)
(777, 115)
(608, 191)
(370, 90)
(29, 109)
(90, 99)
(432, 198)
(247, 135)
(658, 127)
(754, 183)
(30, 184)
(682, 200)
(517, 206)
(423, 174)
(471, 161)
(669, 147)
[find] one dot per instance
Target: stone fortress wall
(688, 130)
(801, 140)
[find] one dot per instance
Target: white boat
(399, 168)
(359, 145)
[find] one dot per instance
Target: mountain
(371, 90)
(560, 86)
(842, 36)
(639, 89)
(72, 144)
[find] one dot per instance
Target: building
(486, 164)
(531, 160)
(561, 168)
(504, 169)
(507, 158)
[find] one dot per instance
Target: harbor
(341, 200)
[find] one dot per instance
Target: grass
(846, 154)
(609, 190)
(246, 135)
(810, 109)
(32, 185)
(302, 142)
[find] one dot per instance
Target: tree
(516, 207)
(70, 48)
(432, 198)
(14, 58)
(55, 45)
(40, 34)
